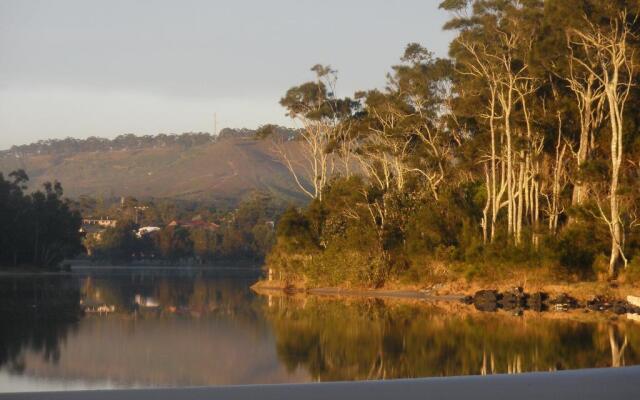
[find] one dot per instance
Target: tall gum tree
(493, 48)
(321, 118)
(610, 57)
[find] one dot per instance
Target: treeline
(520, 149)
(130, 142)
(121, 142)
(38, 229)
(244, 233)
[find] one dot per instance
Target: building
(102, 222)
(196, 223)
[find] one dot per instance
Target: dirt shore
(457, 290)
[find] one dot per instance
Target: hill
(193, 166)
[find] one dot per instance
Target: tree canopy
(525, 138)
(37, 229)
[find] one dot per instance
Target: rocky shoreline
(518, 300)
(514, 300)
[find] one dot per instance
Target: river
(100, 328)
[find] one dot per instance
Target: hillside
(189, 166)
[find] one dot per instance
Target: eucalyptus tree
(609, 55)
(492, 57)
(322, 115)
(405, 147)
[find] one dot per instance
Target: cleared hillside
(224, 169)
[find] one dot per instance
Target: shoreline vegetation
(514, 162)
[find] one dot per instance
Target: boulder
(467, 300)
(598, 303)
(634, 300)
(486, 300)
(486, 307)
(621, 307)
(564, 302)
(486, 296)
(515, 298)
(537, 301)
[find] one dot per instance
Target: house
(196, 223)
(145, 230)
(103, 222)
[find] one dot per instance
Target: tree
(610, 58)
(37, 229)
(118, 244)
(174, 243)
(321, 114)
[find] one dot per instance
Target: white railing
(608, 384)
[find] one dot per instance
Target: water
(186, 327)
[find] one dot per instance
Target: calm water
(144, 328)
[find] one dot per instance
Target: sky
(80, 68)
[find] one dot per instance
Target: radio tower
(215, 124)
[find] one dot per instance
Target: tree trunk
(616, 161)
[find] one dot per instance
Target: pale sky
(84, 68)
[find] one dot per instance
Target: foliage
(246, 232)
(119, 244)
(36, 229)
(519, 151)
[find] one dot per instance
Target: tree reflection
(36, 313)
(354, 340)
(617, 348)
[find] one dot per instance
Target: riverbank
(238, 263)
(571, 295)
(30, 270)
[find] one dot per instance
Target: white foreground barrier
(609, 384)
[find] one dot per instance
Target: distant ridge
(190, 166)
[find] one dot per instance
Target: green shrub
(578, 247)
(632, 273)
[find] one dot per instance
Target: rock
(467, 300)
(620, 307)
(564, 302)
(513, 299)
(598, 303)
(486, 296)
(486, 300)
(634, 300)
(537, 301)
(486, 307)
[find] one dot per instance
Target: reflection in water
(162, 328)
(144, 328)
(335, 340)
(36, 313)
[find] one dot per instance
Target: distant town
(132, 231)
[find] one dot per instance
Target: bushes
(118, 244)
(578, 246)
(632, 272)
(343, 240)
